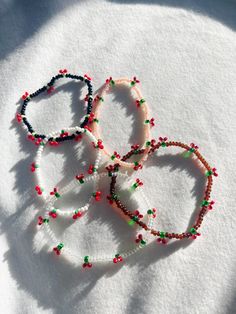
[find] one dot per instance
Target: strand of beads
(205, 206)
(35, 166)
(49, 88)
(87, 261)
(142, 107)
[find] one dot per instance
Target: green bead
(117, 255)
(131, 222)
(60, 246)
(113, 157)
(208, 173)
(46, 220)
(100, 98)
(148, 143)
(86, 259)
(135, 163)
(57, 195)
(192, 150)
(96, 120)
(162, 234)
(193, 230)
(112, 82)
(205, 203)
(149, 212)
(163, 144)
(143, 242)
(132, 83)
(142, 101)
(147, 121)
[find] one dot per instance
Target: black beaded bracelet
(38, 138)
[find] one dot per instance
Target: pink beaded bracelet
(141, 105)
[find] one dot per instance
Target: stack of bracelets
(117, 168)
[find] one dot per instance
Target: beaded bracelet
(206, 205)
(35, 166)
(141, 106)
(88, 261)
(49, 88)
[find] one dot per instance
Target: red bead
(115, 260)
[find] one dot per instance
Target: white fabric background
(184, 53)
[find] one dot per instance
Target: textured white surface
(184, 53)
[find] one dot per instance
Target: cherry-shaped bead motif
(77, 214)
(117, 259)
(137, 183)
(115, 155)
(25, 96)
(53, 213)
(194, 233)
(91, 169)
(86, 263)
(137, 216)
(80, 178)
(63, 72)
(57, 249)
(42, 220)
(39, 190)
(212, 172)
(87, 77)
(140, 240)
(55, 193)
(33, 167)
(97, 195)
(162, 239)
(139, 102)
(110, 81)
(134, 81)
(150, 121)
(162, 141)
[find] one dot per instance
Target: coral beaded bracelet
(206, 205)
(49, 88)
(87, 261)
(142, 107)
(35, 166)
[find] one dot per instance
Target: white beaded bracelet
(35, 166)
(88, 260)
